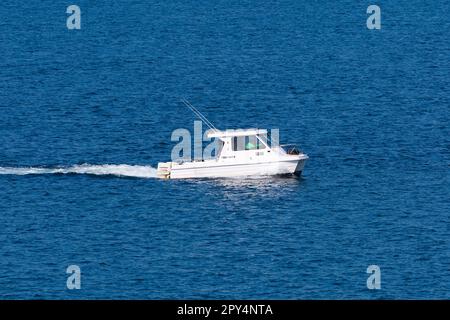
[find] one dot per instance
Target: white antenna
(199, 114)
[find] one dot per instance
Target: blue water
(371, 109)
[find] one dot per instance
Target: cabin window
(247, 143)
(259, 144)
(238, 144)
(264, 138)
(219, 148)
(250, 142)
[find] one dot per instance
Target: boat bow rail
(291, 149)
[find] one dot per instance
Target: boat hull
(225, 170)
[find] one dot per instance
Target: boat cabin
(241, 143)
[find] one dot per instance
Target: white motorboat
(239, 155)
(240, 152)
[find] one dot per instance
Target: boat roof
(236, 133)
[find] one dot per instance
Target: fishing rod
(199, 114)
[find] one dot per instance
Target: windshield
(264, 138)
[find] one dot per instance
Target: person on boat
(250, 146)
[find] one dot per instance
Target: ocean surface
(86, 115)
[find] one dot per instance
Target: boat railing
(291, 149)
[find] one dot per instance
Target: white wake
(121, 170)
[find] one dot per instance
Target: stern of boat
(164, 169)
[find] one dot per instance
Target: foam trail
(121, 170)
